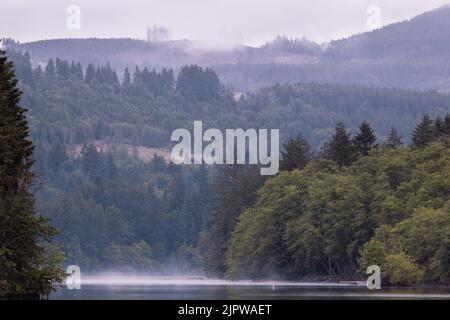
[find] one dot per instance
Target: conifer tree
(168, 79)
(38, 74)
(26, 266)
(137, 76)
(62, 68)
(50, 69)
(296, 154)
(365, 140)
(90, 74)
(394, 140)
(107, 75)
(114, 78)
(197, 84)
(423, 133)
(439, 127)
(73, 68)
(79, 72)
(27, 71)
(99, 74)
(110, 167)
(90, 160)
(126, 78)
(447, 124)
(76, 71)
(233, 189)
(340, 149)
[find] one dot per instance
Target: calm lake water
(182, 288)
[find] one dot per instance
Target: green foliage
(196, 84)
(394, 140)
(401, 271)
(296, 154)
(27, 266)
(312, 221)
(389, 208)
(372, 253)
(424, 132)
(365, 139)
(427, 131)
(256, 248)
(132, 257)
(146, 108)
(234, 189)
(115, 211)
(420, 241)
(50, 70)
(340, 148)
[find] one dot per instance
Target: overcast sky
(215, 21)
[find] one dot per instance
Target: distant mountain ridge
(411, 54)
(424, 36)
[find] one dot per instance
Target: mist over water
(139, 286)
(139, 279)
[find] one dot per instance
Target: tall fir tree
(394, 140)
(27, 70)
(76, 71)
(38, 74)
(439, 127)
(90, 74)
(27, 268)
(62, 68)
(424, 132)
(447, 124)
(126, 78)
(168, 79)
(50, 69)
(234, 189)
(340, 148)
(296, 154)
(365, 139)
(197, 84)
(137, 77)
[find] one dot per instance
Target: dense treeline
(233, 189)
(358, 204)
(70, 105)
(117, 212)
(297, 46)
(114, 210)
(321, 216)
(145, 106)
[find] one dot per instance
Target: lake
(121, 287)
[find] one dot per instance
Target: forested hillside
(323, 216)
(330, 219)
(389, 209)
(116, 212)
(74, 104)
(410, 54)
(425, 36)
